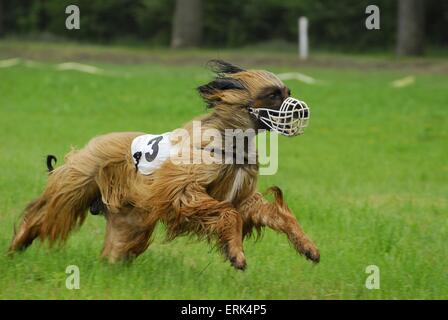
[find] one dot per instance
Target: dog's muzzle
(290, 120)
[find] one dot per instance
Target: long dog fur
(218, 202)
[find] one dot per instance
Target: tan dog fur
(219, 202)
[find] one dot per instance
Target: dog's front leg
(258, 212)
(210, 217)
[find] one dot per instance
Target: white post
(303, 37)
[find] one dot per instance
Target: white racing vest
(149, 151)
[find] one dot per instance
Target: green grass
(368, 182)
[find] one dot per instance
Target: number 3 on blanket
(154, 143)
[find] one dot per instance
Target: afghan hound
(215, 201)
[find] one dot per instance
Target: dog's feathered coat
(218, 202)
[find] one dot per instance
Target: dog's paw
(238, 261)
(311, 253)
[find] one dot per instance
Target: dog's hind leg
(29, 229)
(60, 208)
(258, 212)
(128, 234)
(72, 188)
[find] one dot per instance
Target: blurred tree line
(230, 23)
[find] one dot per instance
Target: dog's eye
(274, 95)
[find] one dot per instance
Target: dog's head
(264, 97)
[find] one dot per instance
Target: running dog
(127, 177)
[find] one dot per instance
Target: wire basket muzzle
(290, 119)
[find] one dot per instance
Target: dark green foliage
(232, 23)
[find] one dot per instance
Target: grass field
(368, 182)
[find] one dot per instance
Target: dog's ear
(221, 67)
(219, 89)
(221, 84)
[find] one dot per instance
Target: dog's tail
(50, 159)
